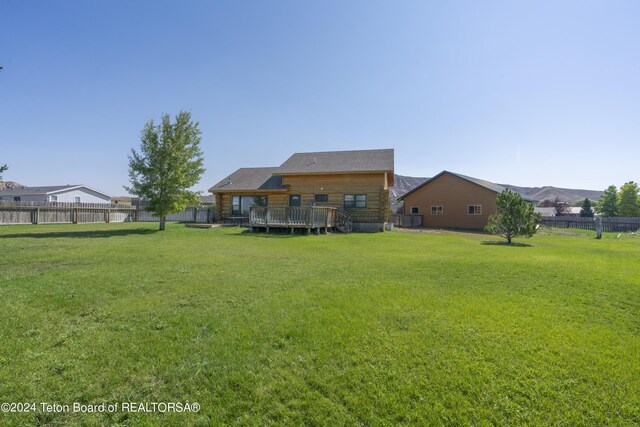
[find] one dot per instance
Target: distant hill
(10, 185)
(550, 193)
(404, 184)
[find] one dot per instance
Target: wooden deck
(309, 218)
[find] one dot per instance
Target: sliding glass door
(240, 205)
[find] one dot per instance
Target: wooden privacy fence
(23, 203)
(63, 213)
(15, 212)
(608, 223)
(206, 215)
(407, 220)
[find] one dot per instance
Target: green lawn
(372, 329)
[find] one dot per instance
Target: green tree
(2, 169)
(586, 211)
(628, 204)
(608, 204)
(169, 163)
(515, 217)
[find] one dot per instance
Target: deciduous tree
(608, 204)
(2, 169)
(628, 204)
(168, 164)
(515, 217)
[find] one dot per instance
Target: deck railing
(292, 217)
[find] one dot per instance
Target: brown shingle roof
(481, 182)
(338, 161)
(250, 179)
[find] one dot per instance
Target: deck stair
(344, 224)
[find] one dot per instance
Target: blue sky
(521, 92)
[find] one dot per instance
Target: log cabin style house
(452, 200)
(350, 183)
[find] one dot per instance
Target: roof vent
(314, 159)
(229, 180)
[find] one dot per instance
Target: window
(474, 209)
(294, 200)
(240, 205)
(16, 199)
(415, 210)
(261, 201)
(77, 199)
(235, 205)
(437, 210)
(53, 198)
(322, 197)
(355, 200)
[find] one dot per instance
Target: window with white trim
(437, 210)
(474, 209)
(77, 199)
(53, 198)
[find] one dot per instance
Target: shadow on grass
(92, 234)
(503, 243)
(276, 233)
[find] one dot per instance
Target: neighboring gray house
(56, 193)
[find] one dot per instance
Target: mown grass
(371, 329)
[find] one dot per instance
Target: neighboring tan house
(57, 193)
(451, 200)
(354, 181)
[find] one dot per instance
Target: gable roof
(497, 188)
(323, 162)
(250, 179)
(338, 161)
(45, 190)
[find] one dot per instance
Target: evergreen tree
(628, 200)
(586, 210)
(608, 204)
(2, 169)
(169, 163)
(515, 217)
